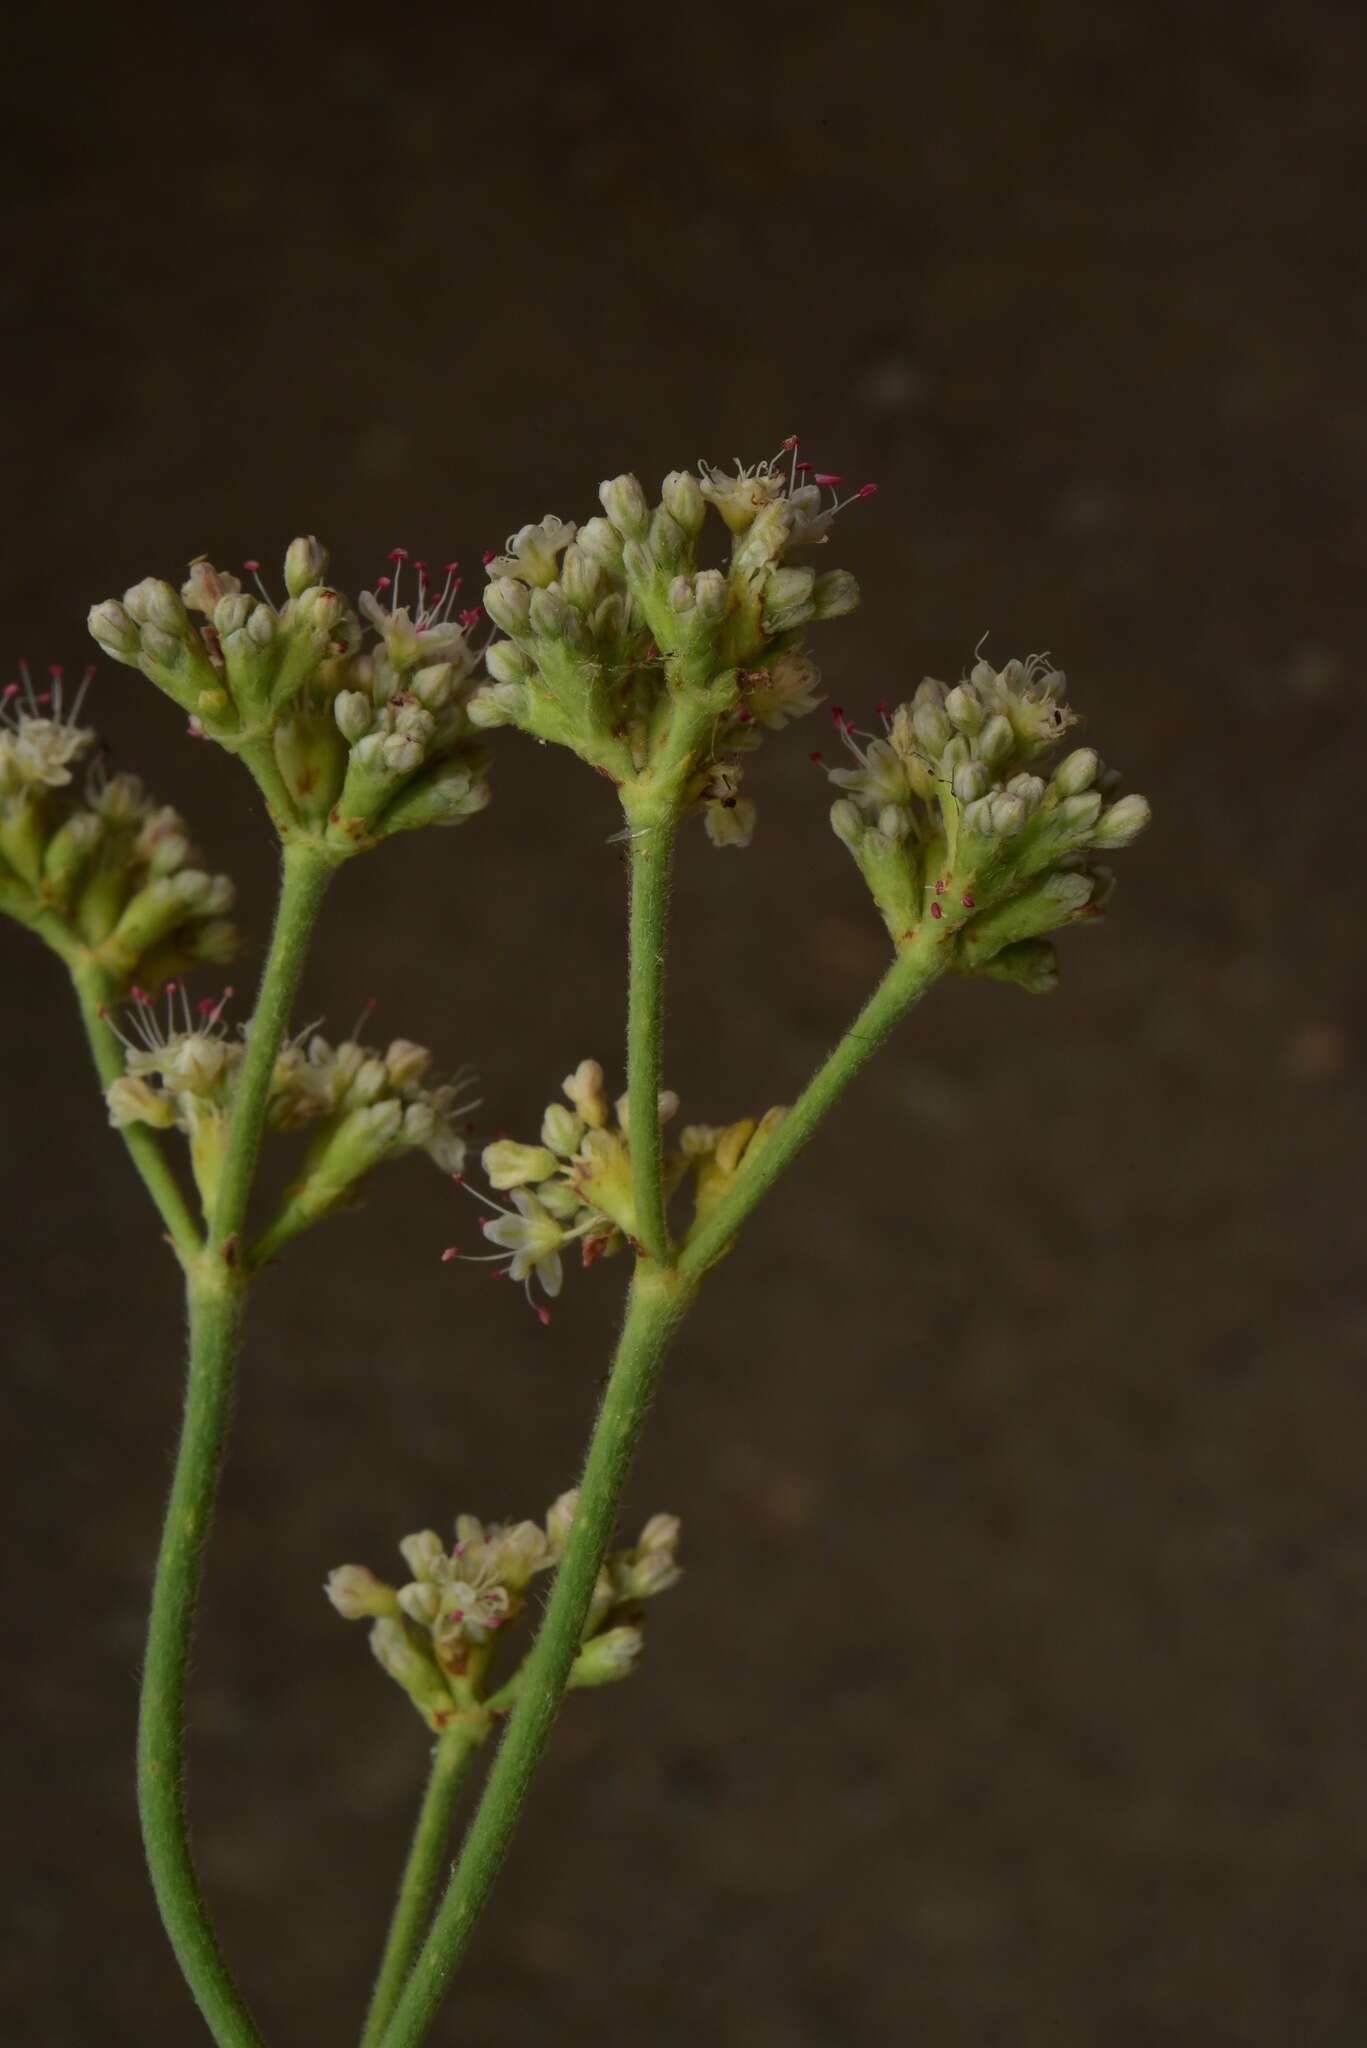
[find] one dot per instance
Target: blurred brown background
(1015, 1692)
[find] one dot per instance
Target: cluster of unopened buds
(354, 719)
(949, 820)
(575, 1185)
(109, 877)
(657, 669)
(361, 1105)
(436, 1636)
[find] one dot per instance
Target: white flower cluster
(435, 1635)
(611, 623)
(101, 871)
(362, 1106)
(351, 740)
(948, 819)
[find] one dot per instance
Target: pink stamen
(866, 490)
(490, 555)
(826, 476)
(452, 1252)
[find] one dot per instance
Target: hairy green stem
(656, 1301)
(651, 849)
(216, 1297)
(144, 1148)
(921, 962)
(216, 1293)
(305, 874)
(422, 1872)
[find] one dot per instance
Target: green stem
(655, 1304)
(422, 1871)
(216, 1294)
(305, 874)
(216, 1298)
(921, 962)
(651, 851)
(144, 1149)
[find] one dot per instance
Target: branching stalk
(144, 1147)
(657, 1300)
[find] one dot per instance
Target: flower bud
(847, 822)
(112, 628)
(996, 741)
(421, 1551)
(710, 593)
(581, 579)
(835, 594)
(625, 504)
(421, 1603)
(357, 1594)
(406, 1063)
(409, 1666)
(679, 596)
(232, 612)
(584, 1088)
(508, 604)
(354, 714)
(1007, 814)
(607, 1657)
(965, 708)
(932, 729)
(549, 614)
(510, 1165)
(560, 1520)
(683, 500)
(561, 1130)
(601, 543)
(1077, 773)
(505, 704)
(306, 562)
(154, 603)
(507, 663)
(1122, 822)
(260, 627)
(1077, 813)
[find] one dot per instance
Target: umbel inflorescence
(438, 1634)
(575, 1187)
(89, 861)
(352, 718)
(359, 1104)
(655, 667)
(949, 819)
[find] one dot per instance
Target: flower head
(351, 738)
(656, 667)
(437, 1633)
(953, 825)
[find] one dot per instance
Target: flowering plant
(660, 643)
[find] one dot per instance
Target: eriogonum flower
(361, 1105)
(350, 739)
(575, 1187)
(950, 822)
(108, 877)
(658, 669)
(437, 1634)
